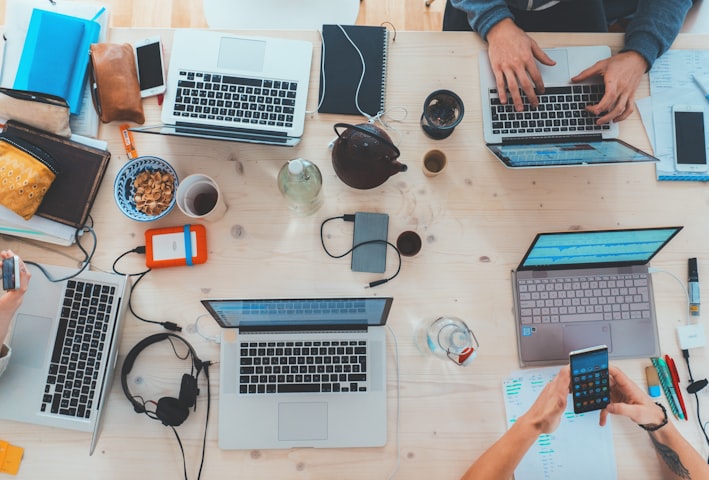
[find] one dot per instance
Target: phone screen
(689, 138)
(150, 69)
(10, 273)
(589, 379)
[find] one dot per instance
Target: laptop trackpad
(559, 73)
(586, 335)
(30, 337)
(302, 421)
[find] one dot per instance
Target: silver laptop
(559, 132)
(239, 88)
(64, 348)
(577, 289)
(302, 372)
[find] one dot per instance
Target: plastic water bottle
(300, 182)
(448, 338)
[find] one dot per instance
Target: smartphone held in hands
(151, 67)
(11, 273)
(690, 124)
(589, 378)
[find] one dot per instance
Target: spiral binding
(384, 71)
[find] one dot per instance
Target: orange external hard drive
(175, 246)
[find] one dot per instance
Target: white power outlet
(691, 336)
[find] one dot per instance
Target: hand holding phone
(689, 129)
(589, 378)
(151, 70)
(11, 273)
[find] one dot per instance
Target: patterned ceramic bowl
(124, 190)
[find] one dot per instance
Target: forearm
(655, 26)
(483, 14)
(500, 460)
(9, 303)
(678, 459)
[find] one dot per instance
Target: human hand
(25, 274)
(621, 74)
(545, 414)
(512, 56)
(629, 400)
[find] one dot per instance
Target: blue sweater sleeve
(654, 27)
(483, 14)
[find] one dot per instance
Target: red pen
(675, 383)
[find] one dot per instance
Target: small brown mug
(408, 243)
(434, 162)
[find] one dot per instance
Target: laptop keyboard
(603, 297)
(560, 110)
(241, 101)
(303, 367)
(74, 368)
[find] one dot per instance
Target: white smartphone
(689, 129)
(151, 67)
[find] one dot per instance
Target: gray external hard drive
(370, 257)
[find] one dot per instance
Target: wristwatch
(652, 427)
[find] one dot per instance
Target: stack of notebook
(56, 54)
(68, 202)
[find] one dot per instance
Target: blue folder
(55, 55)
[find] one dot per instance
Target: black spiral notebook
(341, 69)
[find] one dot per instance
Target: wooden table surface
(476, 221)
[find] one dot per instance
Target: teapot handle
(367, 132)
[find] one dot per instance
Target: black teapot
(363, 156)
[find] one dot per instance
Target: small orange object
(10, 458)
(128, 142)
(175, 246)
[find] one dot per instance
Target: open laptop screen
(568, 152)
(597, 248)
(312, 312)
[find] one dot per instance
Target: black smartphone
(589, 378)
(11, 273)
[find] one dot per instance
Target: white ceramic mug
(198, 196)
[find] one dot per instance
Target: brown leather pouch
(114, 83)
(26, 173)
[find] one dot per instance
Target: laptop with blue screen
(306, 372)
(578, 289)
(559, 131)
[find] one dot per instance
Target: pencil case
(26, 173)
(40, 110)
(113, 78)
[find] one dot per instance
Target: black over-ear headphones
(169, 410)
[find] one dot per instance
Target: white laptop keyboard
(560, 110)
(303, 367)
(238, 100)
(603, 297)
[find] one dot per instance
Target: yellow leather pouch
(26, 173)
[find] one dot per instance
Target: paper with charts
(579, 448)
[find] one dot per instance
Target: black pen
(693, 286)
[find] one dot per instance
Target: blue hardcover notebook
(55, 55)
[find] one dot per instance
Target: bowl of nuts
(145, 188)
